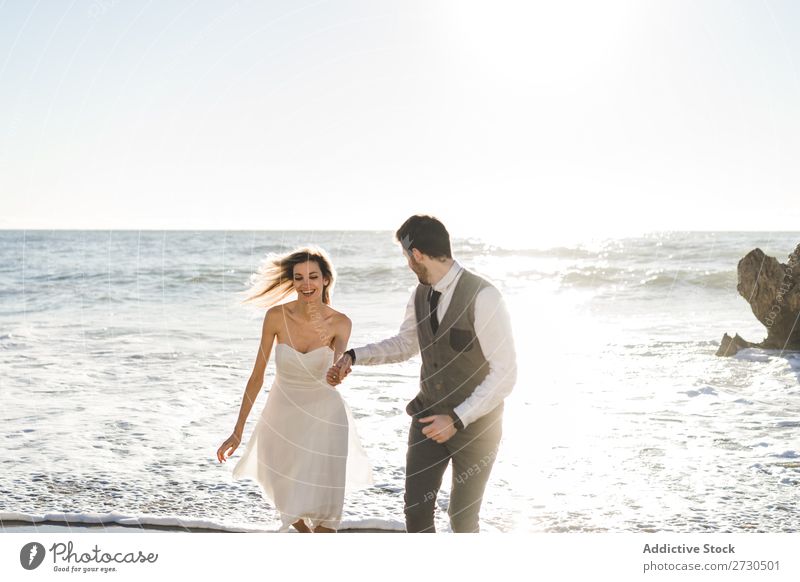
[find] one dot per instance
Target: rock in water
(771, 288)
(730, 345)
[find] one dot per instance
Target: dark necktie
(433, 302)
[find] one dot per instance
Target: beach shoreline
(19, 526)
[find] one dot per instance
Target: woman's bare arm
(268, 332)
(343, 328)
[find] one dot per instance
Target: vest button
(435, 365)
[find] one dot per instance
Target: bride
(304, 451)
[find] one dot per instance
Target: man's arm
(399, 348)
(493, 329)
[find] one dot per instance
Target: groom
(459, 322)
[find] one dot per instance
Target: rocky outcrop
(773, 291)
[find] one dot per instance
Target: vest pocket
(461, 340)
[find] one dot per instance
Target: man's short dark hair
(426, 234)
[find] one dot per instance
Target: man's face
(420, 270)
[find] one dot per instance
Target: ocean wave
(240, 279)
(373, 273)
(377, 277)
(592, 277)
(552, 253)
(711, 280)
(638, 278)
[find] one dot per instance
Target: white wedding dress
(304, 451)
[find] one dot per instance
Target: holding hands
(339, 370)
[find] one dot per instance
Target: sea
(124, 356)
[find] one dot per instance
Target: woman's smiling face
(308, 281)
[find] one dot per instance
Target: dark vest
(453, 364)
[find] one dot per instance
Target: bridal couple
(304, 451)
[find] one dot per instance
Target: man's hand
(440, 429)
(339, 370)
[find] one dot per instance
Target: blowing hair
(426, 234)
(274, 280)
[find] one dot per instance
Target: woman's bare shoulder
(278, 311)
(288, 307)
(338, 317)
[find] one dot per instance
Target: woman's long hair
(274, 280)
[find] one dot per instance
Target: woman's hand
(339, 370)
(333, 378)
(229, 446)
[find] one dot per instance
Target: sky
(522, 119)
